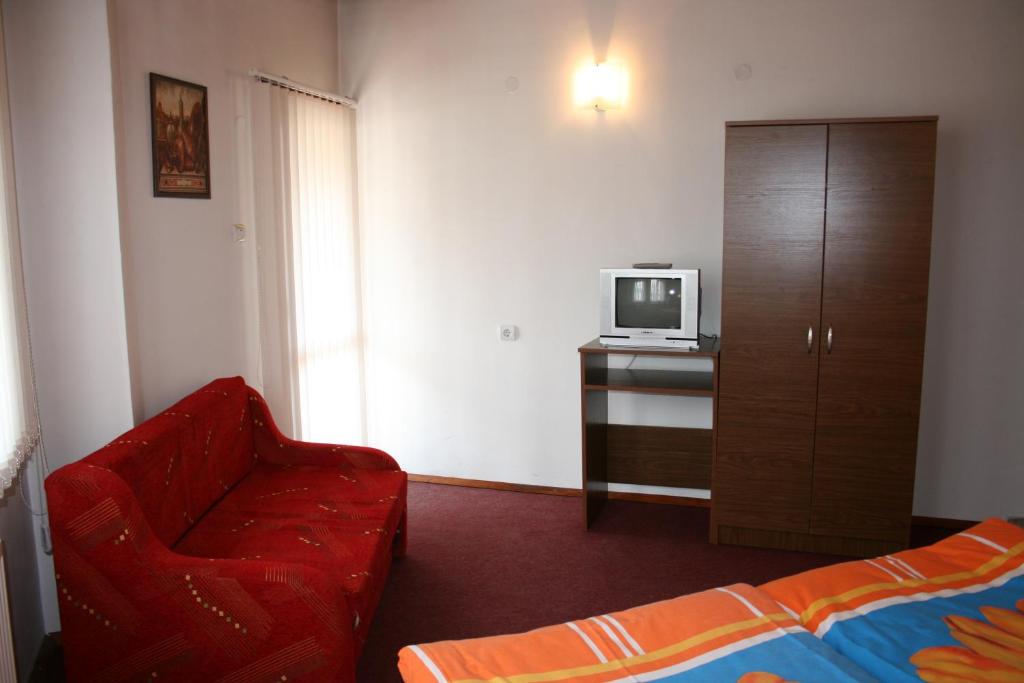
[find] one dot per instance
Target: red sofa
(204, 545)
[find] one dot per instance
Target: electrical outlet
(508, 332)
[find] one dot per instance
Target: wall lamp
(601, 86)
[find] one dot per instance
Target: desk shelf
(669, 382)
(640, 454)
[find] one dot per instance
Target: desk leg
(713, 527)
(595, 441)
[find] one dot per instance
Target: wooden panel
(708, 348)
(805, 122)
(670, 382)
(594, 409)
(877, 248)
(771, 288)
(656, 456)
(713, 525)
(659, 456)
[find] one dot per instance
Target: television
(650, 307)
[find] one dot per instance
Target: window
(19, 424)
(311, 366)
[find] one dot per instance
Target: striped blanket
(734, 633)
(952, 612)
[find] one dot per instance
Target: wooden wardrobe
(824, 293)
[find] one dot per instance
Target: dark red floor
(483, 562)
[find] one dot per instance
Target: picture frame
(180, 131)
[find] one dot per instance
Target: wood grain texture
(668, 382)
(634, 454)
(659, 456)
(713, 525)
(594, 411)
(708, 348)
(813, 122)
(875, 295)
(771, 288)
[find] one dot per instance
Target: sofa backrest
(180, 462)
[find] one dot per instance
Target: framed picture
(181, 138)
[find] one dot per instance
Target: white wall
(58, 60)
(188, 284)
(482, 207)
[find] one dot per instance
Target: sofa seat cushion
(354, 557)
(328, 493)
(339, 521)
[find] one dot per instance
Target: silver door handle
(828, 339)
(810, 337)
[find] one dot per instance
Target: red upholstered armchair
(203, 545)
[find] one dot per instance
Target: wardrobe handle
(828, 339)
(810, 337)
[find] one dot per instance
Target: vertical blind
(308, 266)
(19, 423)
(326, 296)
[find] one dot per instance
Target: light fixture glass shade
(601, 86)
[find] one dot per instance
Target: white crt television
(648, 307)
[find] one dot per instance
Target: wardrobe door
(874, 299)
(771, 288)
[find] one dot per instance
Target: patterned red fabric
(280, 548)
(326, 517)
(167, 460)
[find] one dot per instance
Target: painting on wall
(181, 138)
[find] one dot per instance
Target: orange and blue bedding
(951, 612)
(735, 633)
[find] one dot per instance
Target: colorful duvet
(953, 611)
(734, 633)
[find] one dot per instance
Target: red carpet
(484, 562)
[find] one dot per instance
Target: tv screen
(648, 302)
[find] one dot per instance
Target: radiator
(8, 670)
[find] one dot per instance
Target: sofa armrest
(131, 607)
(274, 447)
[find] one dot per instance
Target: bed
(953, 611)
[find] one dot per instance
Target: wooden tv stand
(676, 457)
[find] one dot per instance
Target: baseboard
(557, 490)
(496, 485)
(684, 501)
